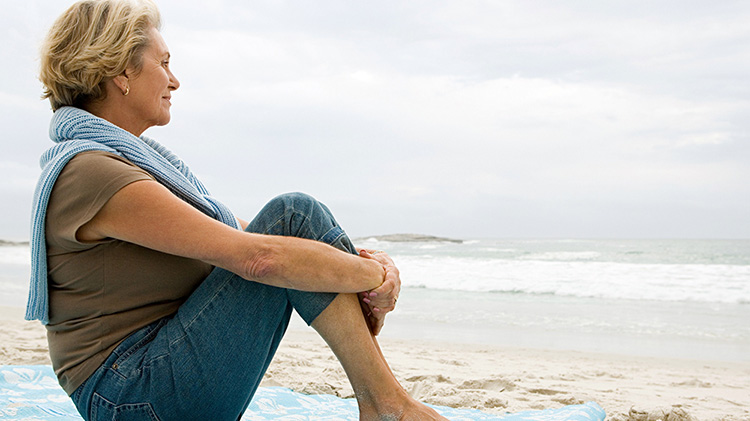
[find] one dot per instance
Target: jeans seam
(306, 226)
(136, 347)
(332, 241)
(208, 302)
(141, 342)
(113, 407)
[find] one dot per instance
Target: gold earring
(127, 90)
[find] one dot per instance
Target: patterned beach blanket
(32, 393)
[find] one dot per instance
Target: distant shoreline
(13, 243)
(410, 238)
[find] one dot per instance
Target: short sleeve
(83, 187)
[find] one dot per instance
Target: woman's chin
(164, 120)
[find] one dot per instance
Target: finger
(384, 260)
(384, 299)
(394, 282)
(385, 308)
(368, 316)
(374, 300)
(385, 303)
(389, 283)
(382, 310)
(383, 257)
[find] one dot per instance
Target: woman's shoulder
(99, 159)
(97, 174)
(82, 188)
(95, 167)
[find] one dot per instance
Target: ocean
(685, 299)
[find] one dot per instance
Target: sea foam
(663, 282)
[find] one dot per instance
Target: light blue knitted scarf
(75, 131)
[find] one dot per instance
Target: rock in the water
(411, 238)
(13, 243)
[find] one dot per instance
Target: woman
(159, 303)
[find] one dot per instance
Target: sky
(468, 119)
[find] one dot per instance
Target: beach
(494, 379)
(648, 329)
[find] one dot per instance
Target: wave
(562, 255)
(516, 268)
(580, 278)
(17, 254)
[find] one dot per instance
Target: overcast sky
(463, 119)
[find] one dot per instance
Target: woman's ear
(122, 82)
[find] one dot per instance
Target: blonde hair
(90, 44)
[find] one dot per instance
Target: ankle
(388, 406)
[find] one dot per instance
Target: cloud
(472, 119)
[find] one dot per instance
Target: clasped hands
(380, 301)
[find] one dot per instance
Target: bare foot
(421, 412)
(407, 409)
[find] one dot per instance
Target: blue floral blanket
(32, 393)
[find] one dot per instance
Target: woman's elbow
(262, 266)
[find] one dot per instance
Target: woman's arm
(147, 214)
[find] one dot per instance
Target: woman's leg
(379, 394)
(342, 324)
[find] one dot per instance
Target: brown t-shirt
(101, 292)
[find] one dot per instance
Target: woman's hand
(381, 300)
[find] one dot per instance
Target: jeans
(207, 360)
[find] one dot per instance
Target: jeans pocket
(131, 350)
(104, 410)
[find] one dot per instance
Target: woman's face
(148, 100)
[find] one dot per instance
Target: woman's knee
(295, 201)
(292, 214)
(301, 215)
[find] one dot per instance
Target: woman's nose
(173, 82)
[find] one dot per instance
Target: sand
(490, 378)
